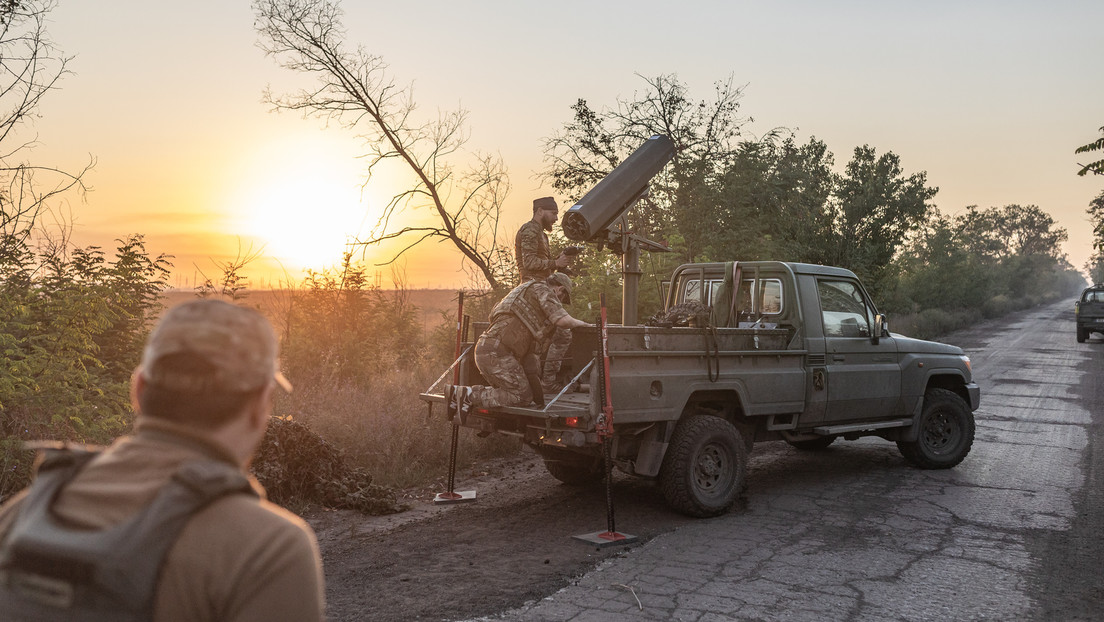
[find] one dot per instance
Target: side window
(843, 308)
(692, 290)
(768, 297)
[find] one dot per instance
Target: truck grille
(815, 359)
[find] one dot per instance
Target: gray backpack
(51, 572)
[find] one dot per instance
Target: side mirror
(881, 328)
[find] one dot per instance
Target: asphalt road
(853, 533)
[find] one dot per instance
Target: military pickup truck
(1089, 311)
(777, 352)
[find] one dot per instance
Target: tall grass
(385, 428)
(359, 357)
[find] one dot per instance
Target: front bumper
(974, 392)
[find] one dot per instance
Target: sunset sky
(990, 98)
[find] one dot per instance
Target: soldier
(531, 248)
(166, 524)
(534, 261)
(506, 353)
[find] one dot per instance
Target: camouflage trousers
(509, 385)
(553, 358)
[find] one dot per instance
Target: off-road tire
(571, 468)
(1082, 334)
(705, 467)
(946, 432)
(815, 444)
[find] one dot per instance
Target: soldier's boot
(460, 402)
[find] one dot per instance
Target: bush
(298, 468)
(72, 325)
(931, 323)
(997, 306)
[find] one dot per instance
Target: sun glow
(301, 200)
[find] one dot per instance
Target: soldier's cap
(561, 279)
(545, 203)
(230, 349)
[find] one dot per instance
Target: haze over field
(990, 98)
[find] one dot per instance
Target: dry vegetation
(358, 357)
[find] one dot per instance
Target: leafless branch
(355, 90)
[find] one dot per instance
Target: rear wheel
(946, 432)
(1082, 334)
(705, 466)
(571, 468)
(814, 444)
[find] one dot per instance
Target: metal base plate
(463, 496)
(602, 539)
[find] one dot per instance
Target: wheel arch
(727, 404)
(949, 379)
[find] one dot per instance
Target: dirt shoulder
(512, 545)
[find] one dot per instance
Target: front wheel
(705, 466)
(946, 432)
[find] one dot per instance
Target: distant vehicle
(1089, 311)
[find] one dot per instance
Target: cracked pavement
(853, 533)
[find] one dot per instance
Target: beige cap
(236, 346)
(561, 279)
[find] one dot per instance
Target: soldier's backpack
(51, 572)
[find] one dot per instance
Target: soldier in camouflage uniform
(507, 352)
(534, 261)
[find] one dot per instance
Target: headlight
(966, 360)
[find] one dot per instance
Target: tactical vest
(51, 572)
(520, 303)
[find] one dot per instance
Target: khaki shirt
(532, 252)
(238, 559)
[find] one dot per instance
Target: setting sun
(301, 200)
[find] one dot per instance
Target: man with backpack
(166, 524)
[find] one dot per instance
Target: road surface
(849, 533)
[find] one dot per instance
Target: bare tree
(354, 89)
(30, 67)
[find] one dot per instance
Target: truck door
(863, 378)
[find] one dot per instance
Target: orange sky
(990, 98)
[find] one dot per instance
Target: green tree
(1096, 167)
(706, 135)
(770, 204)
(938, 271)
(1095, 265)
(72, 324)
(1000, 233)
(873, 210)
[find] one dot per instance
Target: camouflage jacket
(532, 252)
(535, 304)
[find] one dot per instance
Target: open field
(430, 302)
